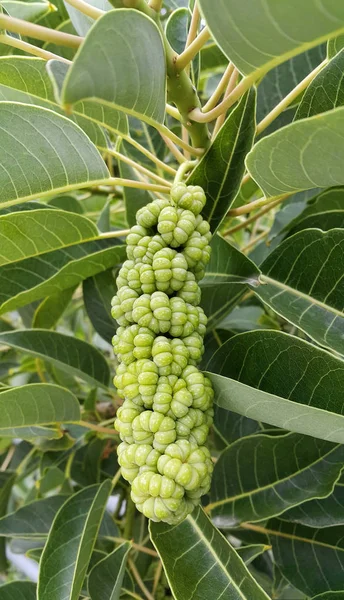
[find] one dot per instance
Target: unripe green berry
(155, 429)
(190, 290)
(133, 238)
(125, 417)
(191, 197)
(148, 215)
(176, 226)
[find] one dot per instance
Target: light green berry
(191, 197)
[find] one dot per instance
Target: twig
(38, 32)
(186, 57)
(231, 86)
(138, 579)
(8, 458)
(247, 208)
(184, 168)
(173, 112)
(173, 148)
(149, 154)
(195, 19)
(185, 137)
(135, 546)
(86, 8)
(135, 165)
(114, 234)
(157, 577)
(141, 185)
(255, 240)
(252, 219)
(97, 428)
(289, 98)
(201, 117)
(30, 48)
(215, 97)
(116, 479)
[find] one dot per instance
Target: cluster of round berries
(165, 418)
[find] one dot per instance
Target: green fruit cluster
(167, 411)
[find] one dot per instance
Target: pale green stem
(38, 32)
(255, 241)
(97, 428)
(247, 208)
(200, 117)
(173, 148)
(138, 579)
(116, 478)
(149, 154)
(140, 185)
(289, 98)
(30, 48)
(183, 169)
(173, 112)
(114, 234)
(231, 86)
(195, 19)
(258, 215)
(135, 165)
(86, 9)
(215, 97)
(155, 5)
(192, 50)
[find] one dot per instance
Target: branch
(252, 219)
(135, 165)
(86, 8)
(195, 19)
(192, 50)
(30, 48)
(200, 117)
(173, 148)
(140, 185)
(247, 208)
(215, 97)
(289, 98)
(230, 88)
(149, 154)
(38, 32)
(138, 579)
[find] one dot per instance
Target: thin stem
(30, 48)
(138, 579)
(97, 428)
(138, 547)
(247, 208)
(192, 50)
(114, 234)
(39, 363)
(231, 86)
(149, 154)
(141, 185)
(255, 241)
(183, 169)
(215, 97)
(164, 131)
(129, 518)
(8, 458)
(173, 148)
(185, 138)
(136, 166)
(173, 112)
(195, 19)
(155, 5)
(252, 219)
(86, 8)
(157, 576)
(200, 117)
(38, 32)
(132, 594)
(290, 98)
(116, 478)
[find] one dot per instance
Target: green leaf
(301, 391)
(307, 556)
(28, 11)
(32, 520)
(69, 547)
(304, 155)
(231, 427)
(261, 476)
(200, 563)
(27, 410)
(221, 169)
(263, 33)
(326, 90)
(212, 58)
(37, 277)
(334, 46)
(139, 91)
(330, 596)
(73, 355)
(106, 578)
(52, 308)
(52, 154)
(325, 512)
(250, 553)
(18, 590)
(176, 31)
(280, 81)
(67, 203)
(26, 79)
(302, 282)
(7, 480)
(81, 22)
(227, 275)
(98, 292)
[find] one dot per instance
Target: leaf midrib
(293, 291)
(232, 499)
